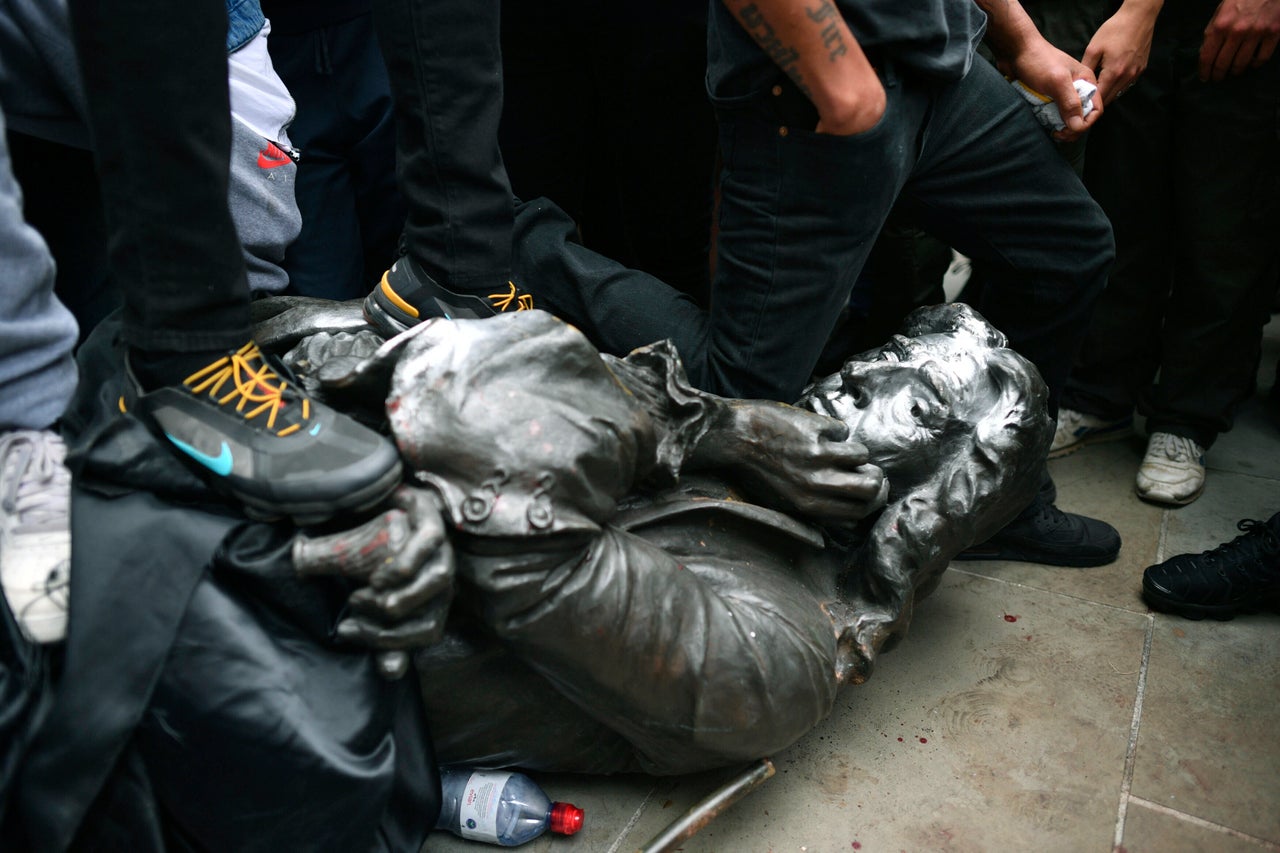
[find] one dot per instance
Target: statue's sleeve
(698, 648)
(526, 431)
(678, 412)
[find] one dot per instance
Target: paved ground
(1030, 708)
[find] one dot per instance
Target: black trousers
(800, 211)
(445, 67)
(155, 77)
(1189, 173)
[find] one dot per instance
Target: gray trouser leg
(37, 373)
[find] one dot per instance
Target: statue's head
(959, 424)
(949, 387)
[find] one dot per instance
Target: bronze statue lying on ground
(652, 578)
(597, 568)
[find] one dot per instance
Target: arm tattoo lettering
(783, 55)
(825, 14)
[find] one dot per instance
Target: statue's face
(897, 399)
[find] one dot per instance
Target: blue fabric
(244, 21)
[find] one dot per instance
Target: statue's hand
(350, 370)
(327, 358)
(405, 562)
(795, 460)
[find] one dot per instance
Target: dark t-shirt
(290, 17)
(935, 38)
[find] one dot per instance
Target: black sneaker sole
(1196, 612)
(386, 318)
(308, 513)
(1015, 553)
(386, 310)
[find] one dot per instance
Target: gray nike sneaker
(256, 435)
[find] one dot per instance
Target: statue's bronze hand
(405, 562)
(350, 369)
(329, 358)
(796, 461)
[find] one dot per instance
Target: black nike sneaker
(1240, 576)
(248, 424)
(407, 295)
(1044, 534)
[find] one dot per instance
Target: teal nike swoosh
(220, 464)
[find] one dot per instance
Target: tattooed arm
(811, 42)
(1024, 54)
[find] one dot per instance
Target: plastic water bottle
(500, 807)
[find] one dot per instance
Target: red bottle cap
(566, 819)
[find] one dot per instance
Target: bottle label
(478, 810)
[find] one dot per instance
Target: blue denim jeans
(37, 333)
(800, 211)
(244, 20)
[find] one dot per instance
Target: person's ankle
(160, 368)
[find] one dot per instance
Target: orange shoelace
(246, 375)
(502, 301)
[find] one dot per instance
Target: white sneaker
(1076, 429)
(35, 532)
(1172, 472)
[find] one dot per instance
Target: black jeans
(445, 68)
(1189, 172)
(155, 77)
(800, 211)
